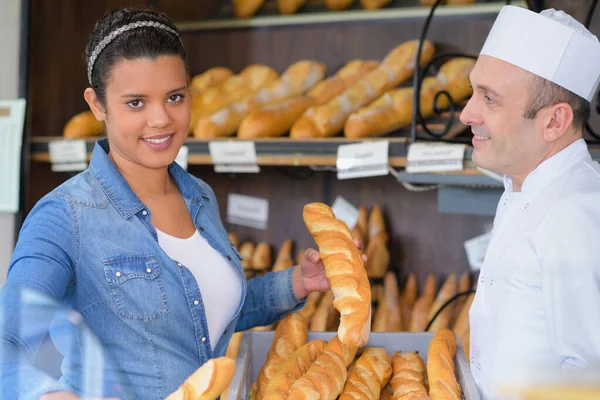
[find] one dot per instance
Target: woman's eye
(135, 103)
(176, 98)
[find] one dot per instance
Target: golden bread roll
(408, 377)
(370, 374)
(208, 382)
(326, 376)
(345, 271)
(292, 369)
(374, 4)
(209, 78)
(338, 5)
(290, 6)
(440, 367)
(291, 333)
(83, 125)
(447, 291)
(262, 258)
(246, 8)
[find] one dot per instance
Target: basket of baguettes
(363, 99)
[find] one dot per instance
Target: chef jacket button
(526, 206)
(481, 280)
(203, 339)
(479, 366)
(472, 360)
(491, 282)
(144, 212)
(196, 302)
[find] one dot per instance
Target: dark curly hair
(143, 42)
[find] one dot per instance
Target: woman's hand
(310, 275)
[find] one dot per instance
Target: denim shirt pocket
(136, 286)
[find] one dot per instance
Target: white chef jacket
(538, 295)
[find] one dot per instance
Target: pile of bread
(248, 8)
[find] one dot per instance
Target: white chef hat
(551, 44)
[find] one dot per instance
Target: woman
(134, 243)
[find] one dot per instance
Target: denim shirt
(90, 243)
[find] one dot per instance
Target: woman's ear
(95, 105)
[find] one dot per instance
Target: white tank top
(213, 274)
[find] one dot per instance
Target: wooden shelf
(316, 13)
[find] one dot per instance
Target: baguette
(325, 378)
(419, 318)
(345, 271)
(380, 313)
(338, 5)
(440, 367)
(408, 378)
(430, 288)
(408, 299)
(292, 369)
(290, 6)
(351, 72)
(323, 315)
(397, 67)
(210, 78)
(378, 256)
(392, 303)
(291, 333)
(234, 239)
(247, 251)
(246, 8)
(376, 222)
(447, 291)
(310, 307)
(374, 4)
(454, 77)
(297, 79)
(262, 258)
(207, 382)
(83, 125)
(284, 257)
(369, 376)
(461, 327)
(464, 284)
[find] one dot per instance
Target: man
(539, 288)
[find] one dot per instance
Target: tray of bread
(297, 364)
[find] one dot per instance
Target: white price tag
(476, 249)
(182, 157)
(12, 118)
(435, 157)
(362, 159)
(247, 211)
(345, 211)
(233, 156)
(68, 155)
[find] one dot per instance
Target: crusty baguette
(408, 299)
(447, 291)
(246, 8)
(262, 258)
(398, 65)
(376, 221)
(380, 315)
(440, 367)
(408, 377)
(347, 75)
(420, 313)
(374, 4)
(464, 284)
(210, 78)
(310, 307)
(208, 382)
(369, 375)
(378, 256)
(345, 271)
(292, 369)
(290, 6)
(83, 125)
(284, 258)
(291, 333)
(392, 303)
(247, 251)
(430, 287)
(325, 378)
(386, 393)
(323, 314)
(461, 327)
(454, 77)
(338, 5)
(297, 79)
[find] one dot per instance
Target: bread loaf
(447, 291)
(324, 314)
(420, 314)
(408, 299)
(292, 369)
(440, 367)
(369, 376)
(461, 328)
(210, 78)
(290, 6)
(284, 258)
(392, 304)
(397, 67)
(374, 4)
(291, 333)
(338, 5)
(325, 378)
(345, 271)
(234, 239)
(408, 377)
(351, 72)
(464, 284)
(246, 8)
(262, 258)
(310, 306)
(247, 251)
(430, 287)
(83, 125)
(208, 382)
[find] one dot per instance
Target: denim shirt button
(201, 229)
(229, 258)
(118, 274)
(144, 212)
(203, 339)
(179, 265)
(148, 270)
(196, 302)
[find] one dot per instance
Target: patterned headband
(110, 37)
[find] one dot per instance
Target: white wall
(10, 21)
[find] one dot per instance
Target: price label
(435, 157)
(345, 211)
(476, 249)
(68, 155)
(363, 159)
(247, 211)
(234, 156)
(182, 157)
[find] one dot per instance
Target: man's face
(503, 141)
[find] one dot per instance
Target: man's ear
(556, 121)
(94, 103)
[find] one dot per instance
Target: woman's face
(147, 110)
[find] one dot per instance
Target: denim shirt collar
(118, 190)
